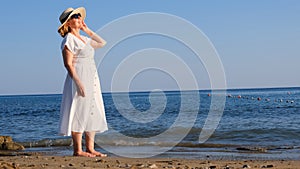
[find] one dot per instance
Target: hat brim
(80, 10)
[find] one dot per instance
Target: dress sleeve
(69, 42)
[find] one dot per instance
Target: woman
(82, 109)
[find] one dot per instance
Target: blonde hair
(64, 30)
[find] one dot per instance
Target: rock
(6, 143)
(212, 167)
(5, 139)
(257, 149)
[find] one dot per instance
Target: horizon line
(145, 91)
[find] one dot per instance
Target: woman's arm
(68, 62)
(97, 41)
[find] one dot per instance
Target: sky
(258, 42)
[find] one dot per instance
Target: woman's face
(75, 21)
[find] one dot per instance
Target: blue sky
(258, 41)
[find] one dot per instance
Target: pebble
(227, 167)
(186, 167)
(246, 166)
(267, 166)
(99, 160)
(62, 166)
(7, 165)
(153, 166)
(140, 165)
(127, 165)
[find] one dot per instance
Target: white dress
(77, 113)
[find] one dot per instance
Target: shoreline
(40, 161)
(204, 153)
(53, 160)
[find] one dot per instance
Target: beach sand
(37, 161)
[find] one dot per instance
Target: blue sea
(255, 124)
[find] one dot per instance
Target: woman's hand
(80, 89)
(84, 27)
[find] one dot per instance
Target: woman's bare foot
(84, 154)
(96, 153)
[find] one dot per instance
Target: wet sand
(37, 161)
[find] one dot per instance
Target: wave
(102, 142)
(48, 143)
(272, 138)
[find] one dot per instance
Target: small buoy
(229, 95)
(259, 99)
(208, 94)
(268, 100)
(239, 96)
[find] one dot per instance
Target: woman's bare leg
(77, 144)
(90, 142)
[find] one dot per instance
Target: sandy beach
(37, 161)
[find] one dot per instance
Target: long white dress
(77, 113)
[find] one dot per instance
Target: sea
(260, 123)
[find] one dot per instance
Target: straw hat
(65, 16)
